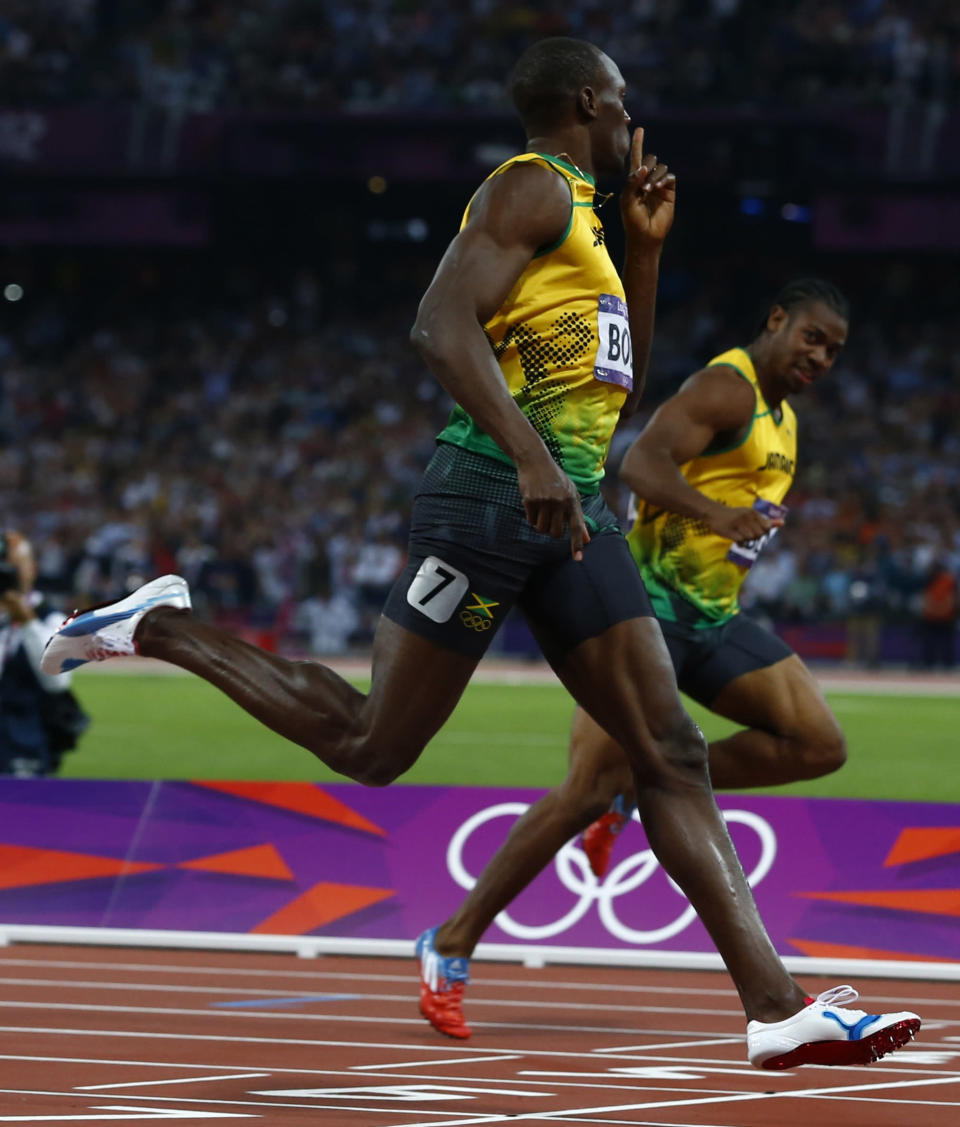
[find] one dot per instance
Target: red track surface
(101, 1035)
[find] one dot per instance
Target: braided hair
(805, 291)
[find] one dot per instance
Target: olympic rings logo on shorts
(475, 621)
(573, 871)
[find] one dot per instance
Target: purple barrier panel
(832, 877)
(63, 843)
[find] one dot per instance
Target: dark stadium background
(216, 221)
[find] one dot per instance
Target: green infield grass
(163, 726)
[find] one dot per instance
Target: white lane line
(697, 1043)
(512, 983)
(334, 1016)
(896, 1063)
(694, 1070)
(404, 1093)
(140, 1114)
(437, 1063)
(355, 976)
(164, 988)
(274, 1105)
(179, 1080)
(123, 1063)
(440, 1078)
(270, 1070)
(135, 1035)
(481, 1054)
(556, 1119)
(740, 1097)
(591, 1114)
(883, 1101)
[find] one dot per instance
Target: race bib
(745, 555)
(614, 363)
(437, 589)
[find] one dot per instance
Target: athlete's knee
(373, 762)
(584, 798)
(686, 749)
(599, 772)
(376, 772)
(820, 752)
(678, 758)
(380, 764)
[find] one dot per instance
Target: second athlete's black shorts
(706, 659)
(473, 555)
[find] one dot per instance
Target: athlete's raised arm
(647, 206)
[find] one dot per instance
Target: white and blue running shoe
(823, 1032)
(107, 631)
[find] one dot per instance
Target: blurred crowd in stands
(377, 55)
(263, 436)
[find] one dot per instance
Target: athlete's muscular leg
(371, 739)
(790, 732)
(624, 679)
(597, 773)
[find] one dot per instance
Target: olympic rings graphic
(575, 875)
(475, 621)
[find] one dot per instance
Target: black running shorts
(707, 659)
(473, 555)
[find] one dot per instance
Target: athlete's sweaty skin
(622, 676)
(788, 730)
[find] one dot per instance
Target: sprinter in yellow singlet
(710, 472)
(541, 345)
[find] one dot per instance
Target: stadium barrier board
(342, 868)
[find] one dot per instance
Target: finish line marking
(181, 1080)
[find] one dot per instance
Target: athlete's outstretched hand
(552, 503)
(648, 197)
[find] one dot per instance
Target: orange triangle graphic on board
(22, 866)
(301, 798)
(934, 901)
(819, 950)
(320, 905)
(916, 844)
(256, 861)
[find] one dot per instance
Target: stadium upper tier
(199, 55)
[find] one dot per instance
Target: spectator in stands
(938, 623)
(40, 718)
(193, 57)
(120, 455)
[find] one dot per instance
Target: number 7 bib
(436, 589)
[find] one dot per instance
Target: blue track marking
(273, 1003)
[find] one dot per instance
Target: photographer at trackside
(39, 715)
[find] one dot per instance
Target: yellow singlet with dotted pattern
(562, 340)
(679, 555)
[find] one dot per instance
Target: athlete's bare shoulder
(718, 396)
(528, 200)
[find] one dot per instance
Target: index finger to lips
(636, 149)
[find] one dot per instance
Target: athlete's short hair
(547, 78)
(805, 291)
